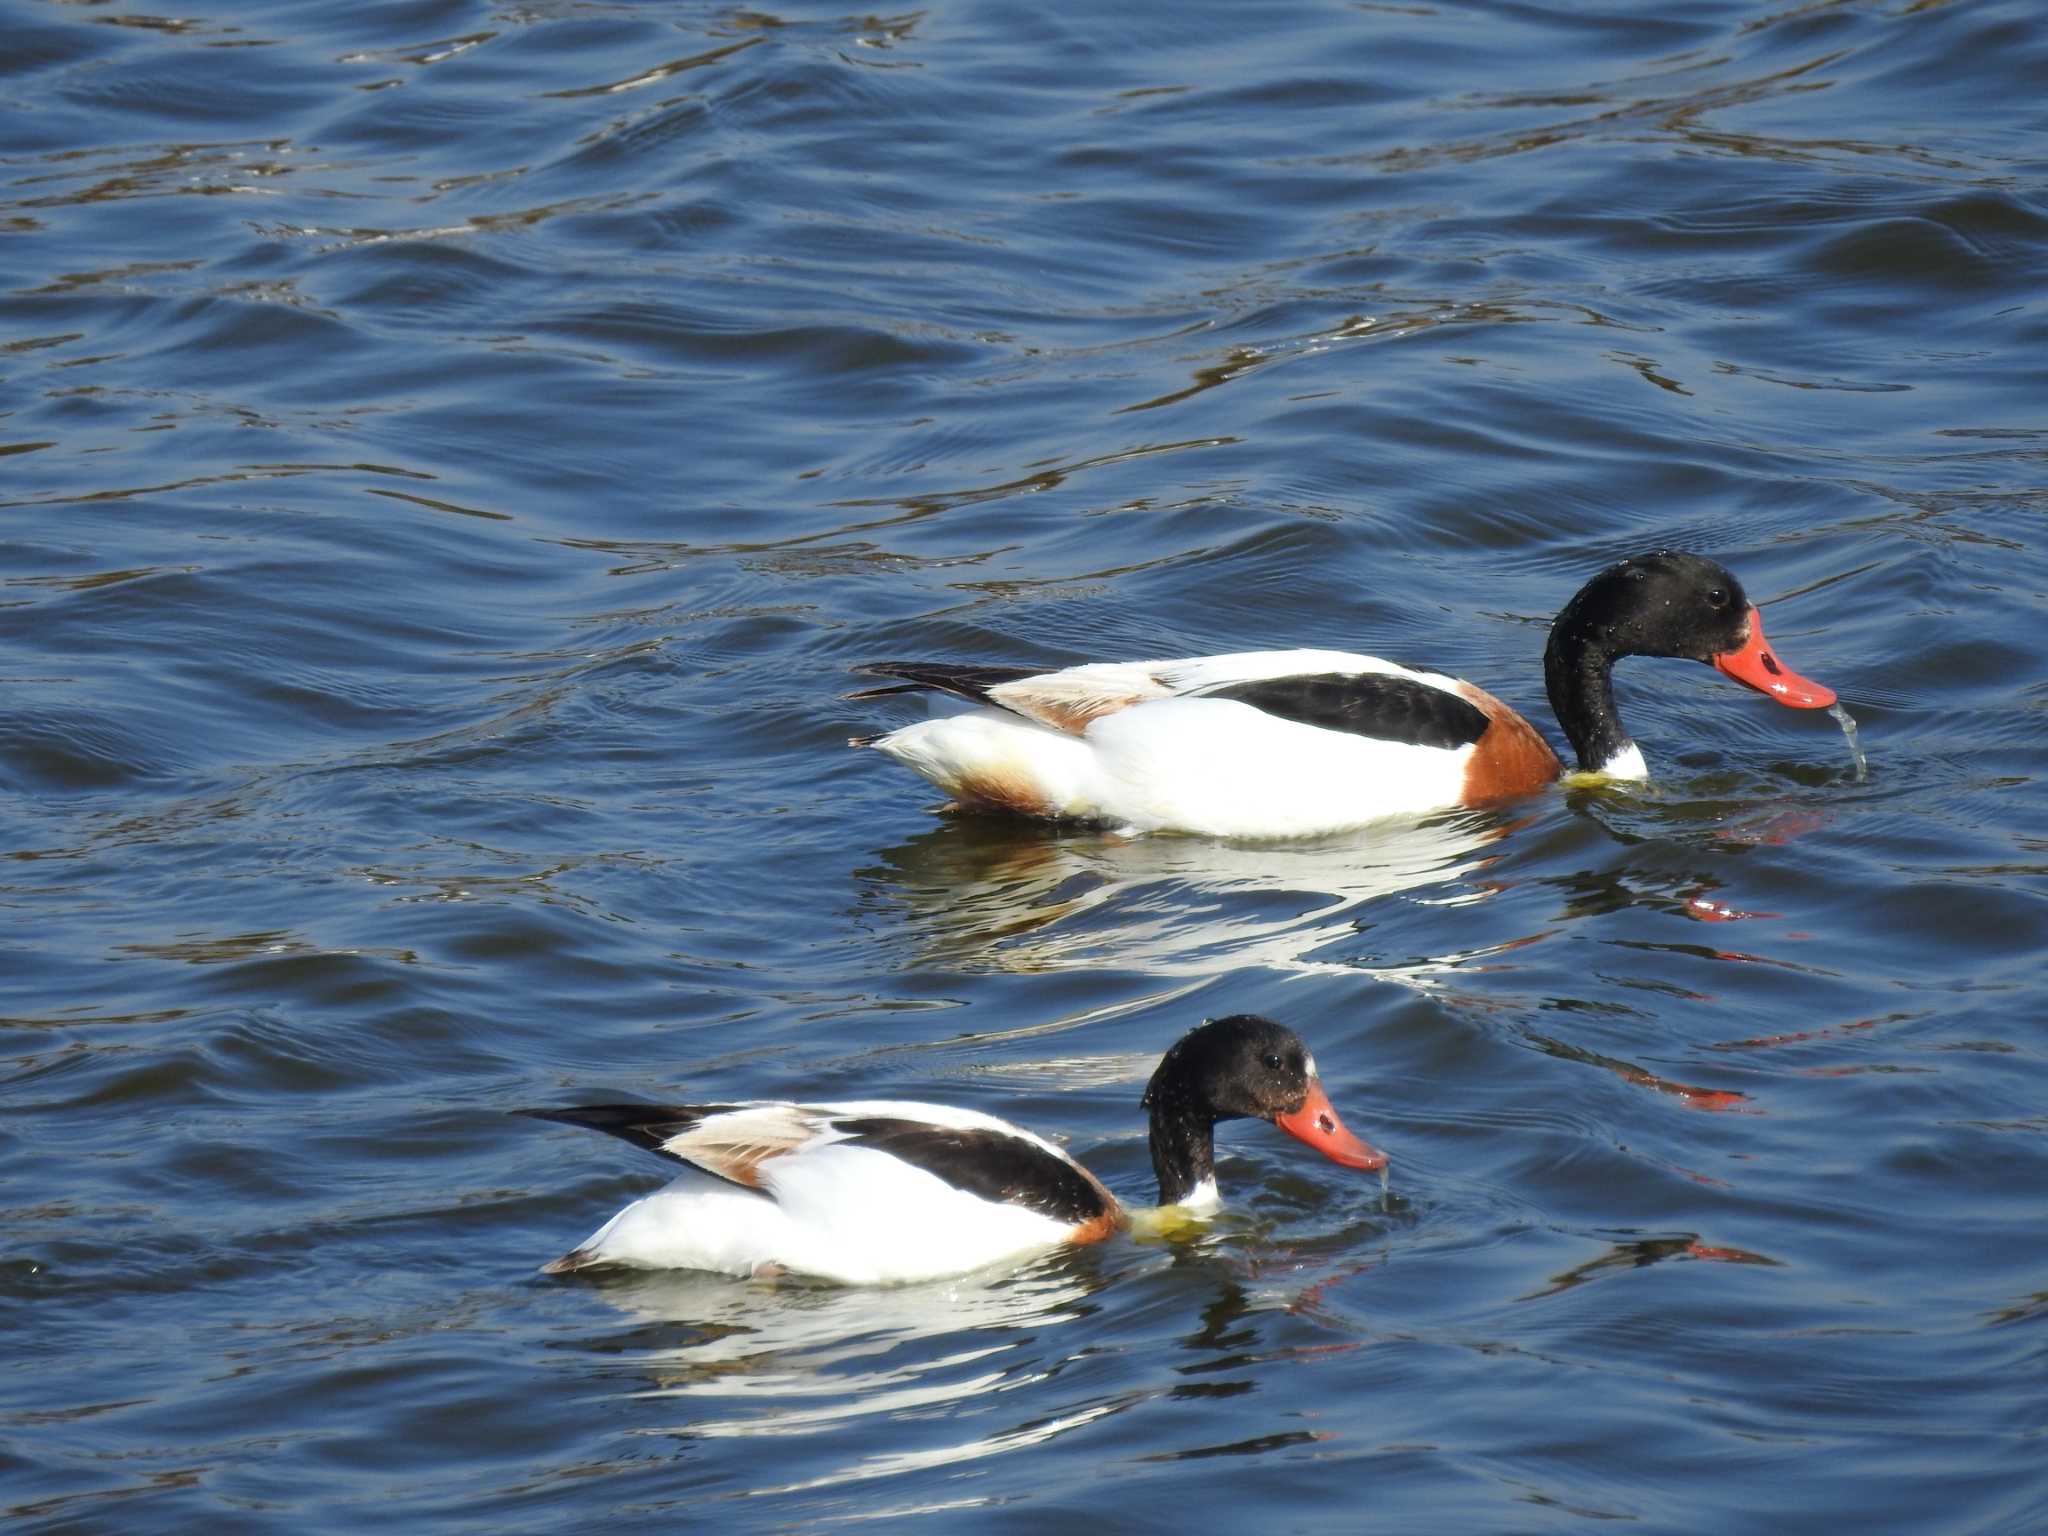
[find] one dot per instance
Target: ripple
(457, 458)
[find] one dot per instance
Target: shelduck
(1294, 743)
(880, 1191)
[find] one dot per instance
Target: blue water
(451, 456)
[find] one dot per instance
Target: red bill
(1316, 1123)
(1757, 665)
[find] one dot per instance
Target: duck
(1297, 743)
(884, 1191)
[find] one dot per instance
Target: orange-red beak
(1756, 665)
(1317, 1124)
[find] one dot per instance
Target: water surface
(450, 457)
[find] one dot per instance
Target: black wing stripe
(967, 682)
(990, 1164)
(1371, 704)
(644, 1125)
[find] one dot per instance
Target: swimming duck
(1294, 743)
(879, 1191)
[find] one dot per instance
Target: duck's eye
(1717, 598)
(1272, 1062)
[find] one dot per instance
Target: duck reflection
(984, 892)
(826, 1369)
(843, 1351)
(1641, 1253)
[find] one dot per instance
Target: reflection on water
(852, 1385)
(985, 893)
(790, 1358)
(1689, 1094)
(1641, 1253)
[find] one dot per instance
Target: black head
(1236, 1067)
(1662, 604)
(1241, 1067)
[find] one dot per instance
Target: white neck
(1626, 764)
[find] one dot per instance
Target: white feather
(1196, 673)
(827, 1208)
(986, 746)
(1177, 761)
(1226, 769)
(1626, 764)
(846, 1213)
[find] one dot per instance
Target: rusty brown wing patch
(1065, 706)
(1107, 1225)
(1510, 758)
(728, 1141)
(1064, 700)
(994, 789)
